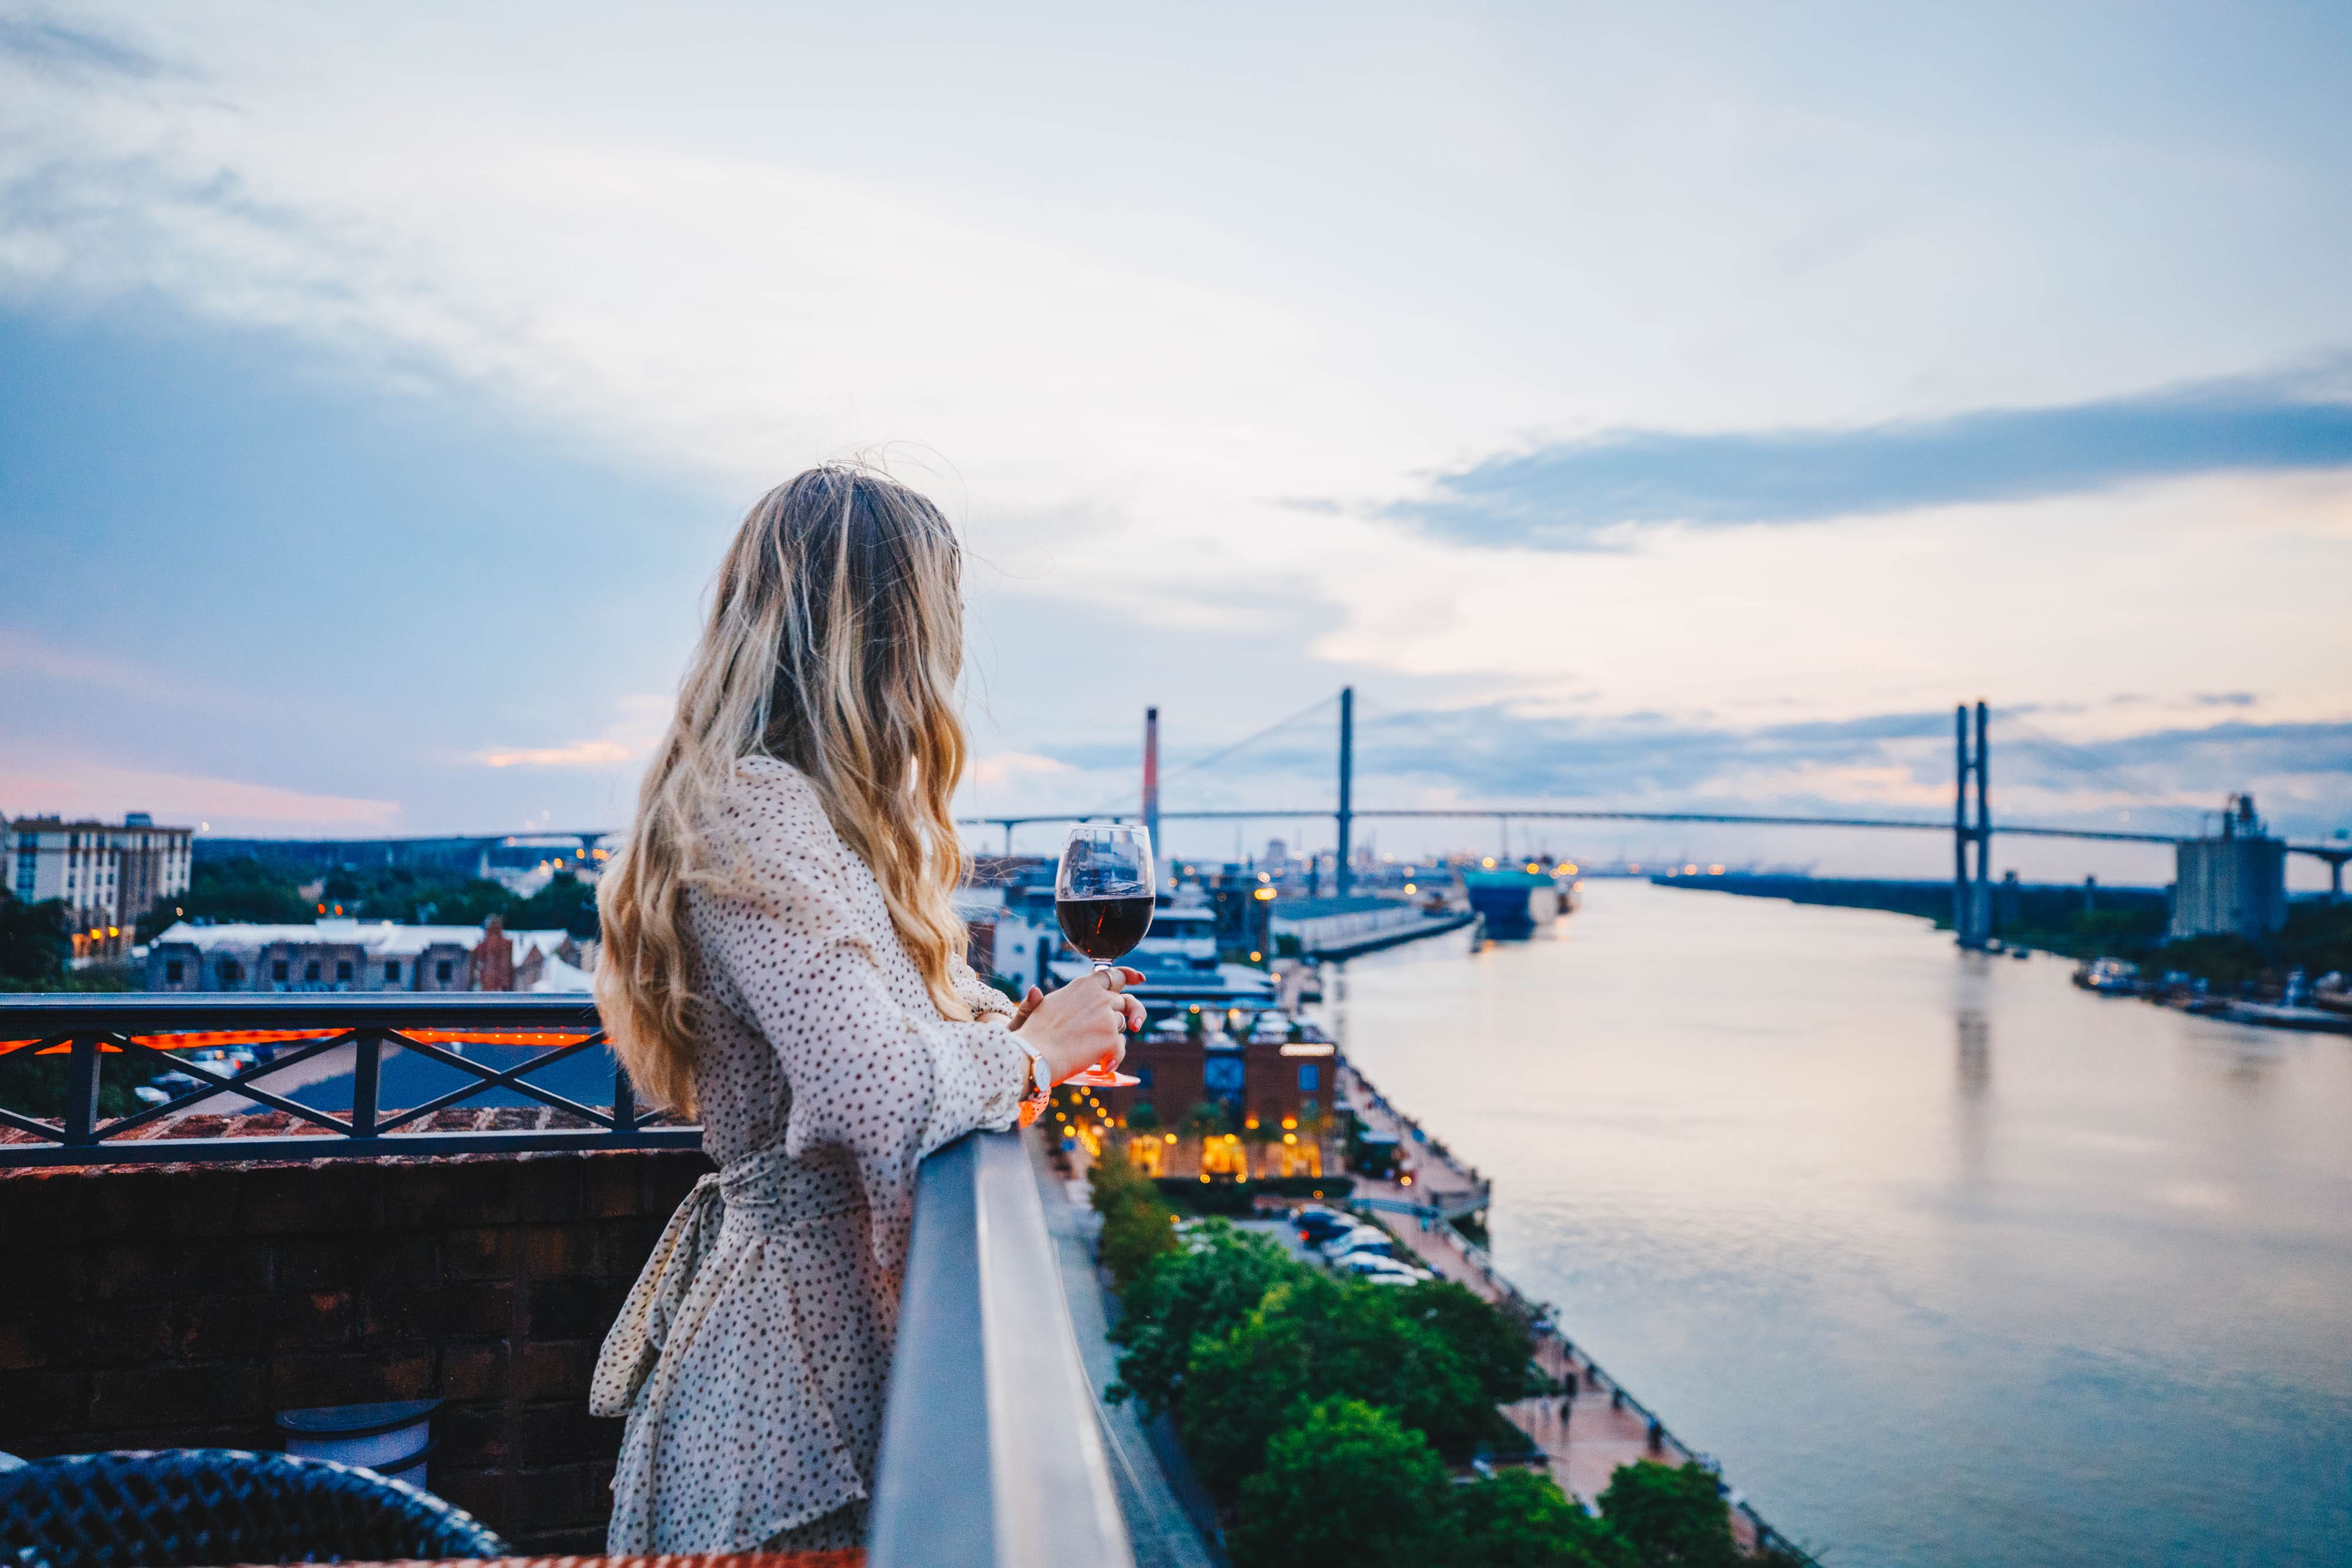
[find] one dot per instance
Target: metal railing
(991, 1456)
(989, 1452)
(298, 1029)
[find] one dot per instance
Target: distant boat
(1514, 902)
(2111, 977)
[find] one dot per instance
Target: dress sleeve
(884, 1082)
(975, 993)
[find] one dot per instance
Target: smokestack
(1151, 779)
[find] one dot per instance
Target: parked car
(1382, 1270)
(1363, 1239)
(1316, 1225)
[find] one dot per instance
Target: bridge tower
(1972, 895)
(1347, 813)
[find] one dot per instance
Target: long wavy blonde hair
(834, 641)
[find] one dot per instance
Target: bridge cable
(1172, 775)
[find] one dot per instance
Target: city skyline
(1636, 411)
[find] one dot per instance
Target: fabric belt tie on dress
(758, 1195)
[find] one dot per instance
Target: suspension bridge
(1972, 831)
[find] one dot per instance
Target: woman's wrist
(1037, 1081)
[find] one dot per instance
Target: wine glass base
(1101, 1078)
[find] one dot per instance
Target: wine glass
(1102, 897)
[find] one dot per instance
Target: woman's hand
(1084, 1023)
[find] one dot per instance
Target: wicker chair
(198, 1508)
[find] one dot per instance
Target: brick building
(1228, 1097)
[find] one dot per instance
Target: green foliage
(1522, 1519)
(1672, 1517)
(1346, 1483)
(2317, 938)
(241, 889)
(2225, 962)
(1497, 1347)
(565, 904)
(1199, 1294)
(408, 897)
(33, 943)
(1136, 1226)
(1316, 1337)
(1206, 1119)
(247, 889)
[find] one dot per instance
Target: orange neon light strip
(206, 1039)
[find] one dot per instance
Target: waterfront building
(106, 873)
(1226, 1095)
(1003, 940)
(344, 954)
(2233, 883)
(1312, 924)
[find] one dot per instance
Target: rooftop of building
(380, 937)
(1317, 908)
(133, 821)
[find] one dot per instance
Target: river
(1946, 1261)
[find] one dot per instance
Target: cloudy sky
(1664, 406)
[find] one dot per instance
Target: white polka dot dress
(751, 1356)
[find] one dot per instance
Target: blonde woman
(781, 958)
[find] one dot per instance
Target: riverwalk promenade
(1584, 1434)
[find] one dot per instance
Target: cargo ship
(1516, 902)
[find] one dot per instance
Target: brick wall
(179, 1306)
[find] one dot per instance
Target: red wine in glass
(1103, 929)
(1103, 896)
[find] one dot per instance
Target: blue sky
(1663, 407)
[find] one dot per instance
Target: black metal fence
(990, 1455)
(295, 1029)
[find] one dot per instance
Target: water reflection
(1976, 1054)
(2090, 1309)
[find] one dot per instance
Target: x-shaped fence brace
(77, 1136)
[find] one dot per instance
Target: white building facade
(106, 875)
(363, 956)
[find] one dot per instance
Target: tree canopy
(1137, 1226)
(1346, 1483)
(1203, 1292)
(1673, 1518)
(246, 889)
(1316, 1337)
(1522, 1519)
(33, 943)
(1497, 1346)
